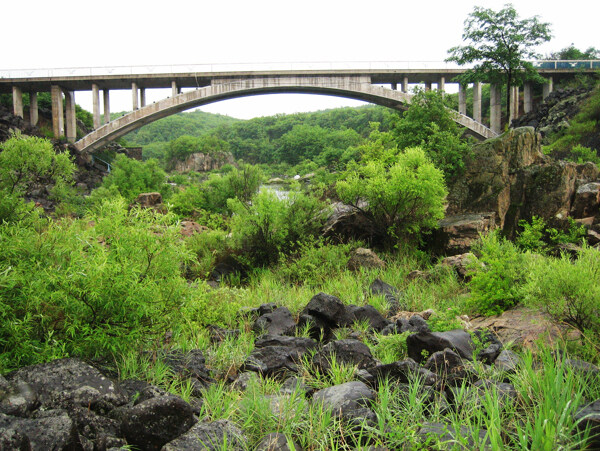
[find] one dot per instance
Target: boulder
(460, 264)
(431, 433)
(148, 200)
(392, 295)
(403, 371)
(369, 314)
(276, 355)
(430, 342)
(346, 222)
(457, 233)
(589, 417)
(55, 430)
(17, 398)
(276, 441)
(209, 436)
(348, 352)
(189, 228)
(446, 364)
(324, 313)
(155, 422)
(364, 258)
(507, 361)
(586, 200)
(279, 322)
(350, 401)
(67, 382)
(188, 365)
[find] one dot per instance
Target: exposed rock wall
(510, 177)
(201, 162)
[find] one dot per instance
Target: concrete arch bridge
(359, 88)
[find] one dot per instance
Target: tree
(400, 197)
(573, 53)
(500, 44)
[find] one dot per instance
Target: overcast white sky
(84, 33)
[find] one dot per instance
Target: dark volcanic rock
(155, 422)
(349, 352)
(324, 313)
(210, 437)
(364, 258)
(277, 354)
(67, 382)
(404, 371)
(392, 295)
(277, 441)
(350, 401)
(589, 416)
(54, 431)
(445, 364)
(279, 322)
(457, 340)
(369, 314)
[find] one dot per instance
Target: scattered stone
(54, 431)
(457, 233)
(275, 355)
(189, 365)
(148, 200)
(369, 314)
(346, 222)
(246, 379)
(392, 295)
(506, 393)
(324, 313)
(589, 416)
(17, 399)
(446, 364)
(278, 322)
(404, 371)
(460, 263)
(427, 343)
(210, 437)
(277, 441)
(446, 434)
(350, 401)
(295, 384)
(189, 228)
(364, 258)
(155, 422)
(218, 334)
(349, 352)
(507, 361)
(586, 201)
(418, 274)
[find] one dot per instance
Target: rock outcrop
(201, 162)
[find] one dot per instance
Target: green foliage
(428, 123)
(573, 53)
(499, 273)
(270, 226)
(581, 155)
(568, 290)
(130, 177)
(402, 199)
(212, 195)
(536, 236)
(89, 287)
(500, 45)
(26, 162)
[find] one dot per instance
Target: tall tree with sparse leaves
(500, 45)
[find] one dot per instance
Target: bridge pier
(495, 108)
(58, 125)
(106, 98)
(134, 97)
(71, 118)
(527, 98)
(175, 90)
(514, 103)
(405, 84)
(477, 101)
(442, 84)
(548, 87)
(142, 97)
(96, 105)
(17, 95)
(462, 98)
(33, 108)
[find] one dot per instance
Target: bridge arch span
(359, 88)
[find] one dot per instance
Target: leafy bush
(129, 178)
(179, 149)
(498, 275)
(27, 162)
(536, 236)
(568, 290)
(91, 287)
(400, 200)
(270, 226)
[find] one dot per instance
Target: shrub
(91, 287)
(568, 290)
(498, 275)
(270, 226)
(400, 201)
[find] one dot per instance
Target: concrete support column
(477, 101)
(548, 87)
(57, 111)
(462, 98)
(33, 108)
(405, 84)
(527, 98)
(17, 101)
(134, 96)
(174, 89)
(143, 97)
(442, 84)
(514, 103)
(106, 95)
(495, 108)
(427, 86)
(96, 105)
(394, 86)
(71, 120)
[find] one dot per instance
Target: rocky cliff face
(510, 177)
(201, 162)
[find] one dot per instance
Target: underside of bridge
(359, 88)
